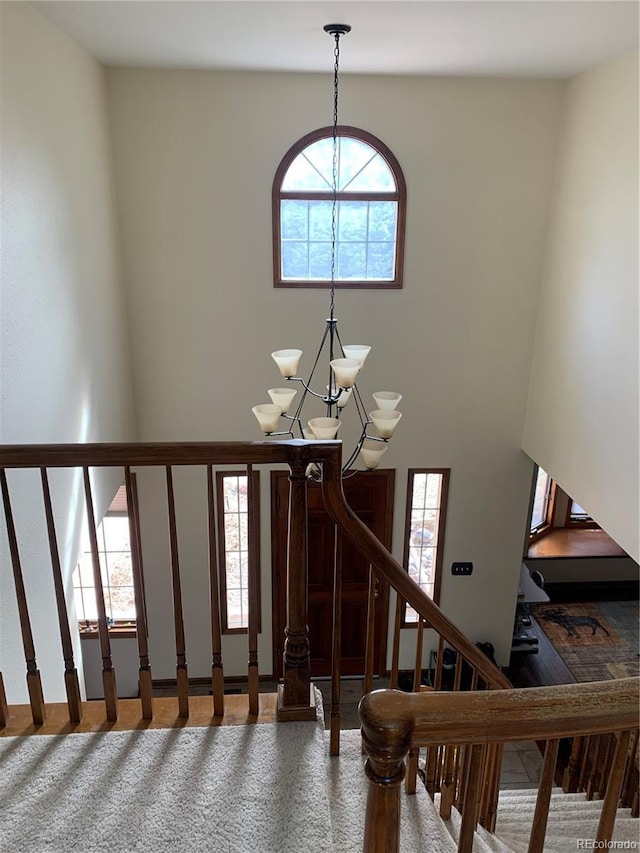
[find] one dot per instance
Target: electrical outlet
(461, 568)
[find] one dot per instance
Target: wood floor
(129, 716)
(541, 669)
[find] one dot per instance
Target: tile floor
(521, 762)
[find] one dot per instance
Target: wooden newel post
(295, 696)
(386, 745)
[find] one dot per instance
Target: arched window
(371, 205)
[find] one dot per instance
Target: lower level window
(236, 512)
(427, 490)
(114, 553)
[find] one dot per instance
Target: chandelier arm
(347, 465)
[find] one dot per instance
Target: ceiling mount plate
(337, 29)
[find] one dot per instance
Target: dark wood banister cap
(533, 713)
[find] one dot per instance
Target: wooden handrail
(389, 568)
(394, 723)
(496, 716)
(166, 453)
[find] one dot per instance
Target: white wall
(582, 412)
(195, 155)
(63, 343)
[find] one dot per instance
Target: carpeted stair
(240, 789)
(571, 816)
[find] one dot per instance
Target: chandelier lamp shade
(340, 363)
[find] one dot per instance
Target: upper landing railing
(295, 699)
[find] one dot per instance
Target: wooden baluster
(417, 669)
(483, 792)
(182, 675)
(370, 641)
(605, 767)
(336, 651)
(593, 772)
(395, 654)
(108, 672)
(34, 683)
(448, 785)
(438, 679)
(414, 752)
(469, 810)
(635, 805)
(494, 788)
(490, 785)
(465, 764)
(614, 787)
(571, 776)
(431, 771)
(217, 672)
(71, 682)
(626, 795)
(295, 695)
(584, 767)
(370, 636)
(541, 813)
(145, 680)
(252, 537)
(4, 708)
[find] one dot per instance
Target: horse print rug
(596, 640)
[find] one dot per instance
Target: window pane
(380, 261)
(294, 260)
(382, 220)
(320, 260)
(578, 513)
(235, 523)
(120, 572)
(352, 220)
(90, 608)
(540, 499)
(116, 532)
(352, 260)
(376, 176)
(303, 172)
(294, 219)
(320, 220)
(235, 616)
(123, 602)
(422, 541)
(319, 156)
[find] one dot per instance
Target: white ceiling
(545, 38)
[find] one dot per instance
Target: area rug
(236, 789)
(596, 640)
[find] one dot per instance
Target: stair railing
(470, 662)
(295, 700)
(394, 722)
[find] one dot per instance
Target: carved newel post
(295, 697)
(386, 742)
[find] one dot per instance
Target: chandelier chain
(334, 171)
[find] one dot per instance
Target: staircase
(180, 780)
(571, 816)
(237, 789)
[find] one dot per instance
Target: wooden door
(370, 495)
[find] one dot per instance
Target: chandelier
(341, 363)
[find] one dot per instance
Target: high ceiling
(549, 38)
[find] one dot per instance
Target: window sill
(122, 632)
(562, 543)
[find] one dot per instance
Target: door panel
(370, 495)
